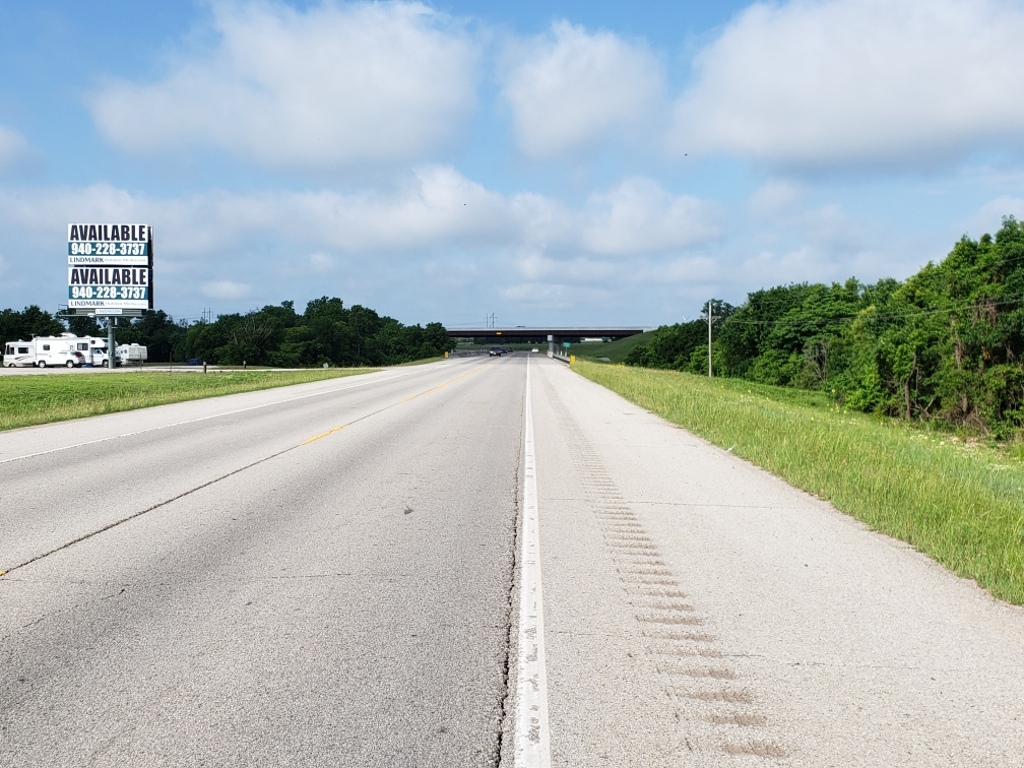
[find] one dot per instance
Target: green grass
(615, 351)
(961, 504)
(30, 400)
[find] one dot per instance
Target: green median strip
(962, 505)
(29, 400)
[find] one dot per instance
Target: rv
(95, 350)
(19, 354)
(60, 350)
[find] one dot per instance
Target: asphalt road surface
(328, 575)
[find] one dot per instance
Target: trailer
(131, 354)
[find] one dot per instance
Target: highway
(330, 575)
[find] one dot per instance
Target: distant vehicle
(20, 354)
(195, 361)
(131, 354)
(535, 350)
(496, 352)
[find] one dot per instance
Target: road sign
(110, 267)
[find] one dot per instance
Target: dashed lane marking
(404, 400)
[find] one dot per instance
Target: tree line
(327, 332)
(946, 344)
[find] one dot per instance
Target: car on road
(496, 352)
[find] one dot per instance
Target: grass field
(29, 400)
(615, 351)
(963, 505)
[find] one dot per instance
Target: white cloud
(571, 89)
(337, 85)
(440, 235)
(225, 289)
(435, 205)
(852, 82)
(638, 216)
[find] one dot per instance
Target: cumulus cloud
(848, 83)
(437, 227)
(571, 89)
(435, 205)
(333, 86)
(638, 216)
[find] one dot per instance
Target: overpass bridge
(540, 333)
(553, 336)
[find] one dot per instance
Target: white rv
(60, 350)
(20, 354)
(95, 350)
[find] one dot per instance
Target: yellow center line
(406, 400)
(325, 434)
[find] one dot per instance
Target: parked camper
(96, 350)
(59, 351)
(80, 344)
(131, 354)
(20, 354)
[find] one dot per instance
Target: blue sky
(566, 162)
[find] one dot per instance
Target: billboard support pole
(111, 350)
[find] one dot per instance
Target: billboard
(110, 266)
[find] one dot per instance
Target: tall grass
(963, 506)
(30, 400)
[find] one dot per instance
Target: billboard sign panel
(110, 266)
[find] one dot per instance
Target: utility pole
(711, 318)
(111, 344)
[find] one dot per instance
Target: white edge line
(201, 418)
(532, 743)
